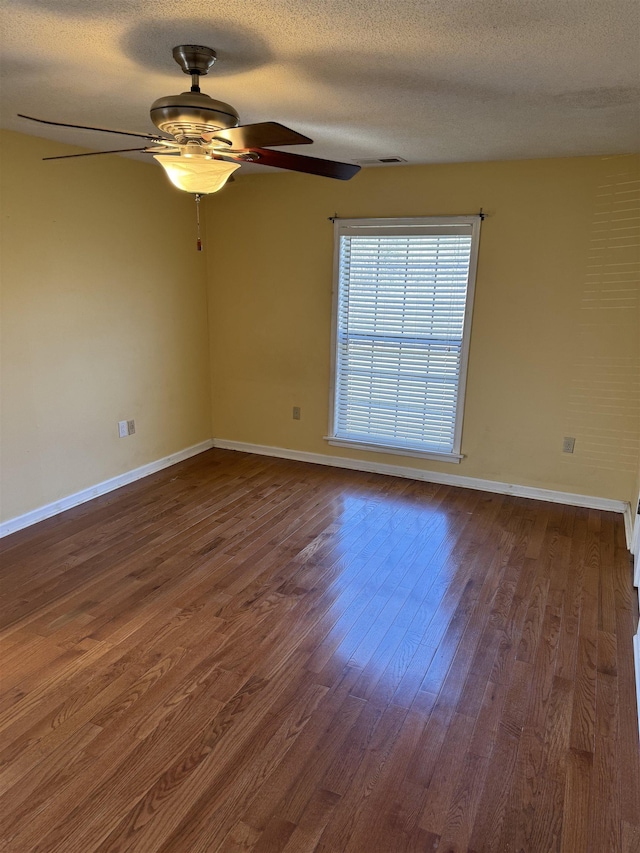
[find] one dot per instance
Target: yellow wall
(103, 319)
(555, 341)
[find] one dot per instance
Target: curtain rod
(335, 216)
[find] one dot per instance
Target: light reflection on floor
(386, 569)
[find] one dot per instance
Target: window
(403, 296)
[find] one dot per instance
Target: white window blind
(401, 331)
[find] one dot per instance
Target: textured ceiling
(426, 80)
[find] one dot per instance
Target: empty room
(320, 427)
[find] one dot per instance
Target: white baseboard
(631, 526)
(39, 514)
(434, 477)
(635, 550)
(636, 657)
(19, 522)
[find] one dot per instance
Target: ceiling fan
(204, 143)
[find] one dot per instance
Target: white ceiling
(427, 80)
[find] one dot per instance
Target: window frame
(404, 226)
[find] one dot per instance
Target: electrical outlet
(123, 429)
(568, 444)
(296, 413)
(131, 427)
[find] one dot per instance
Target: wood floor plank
(463, 806)
(575, 824)
(295, 779)
(490, 821)
(447, 772)
(250, 655)
(628, 768)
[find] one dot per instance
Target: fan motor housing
(190, 114)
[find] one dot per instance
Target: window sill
(456, 458)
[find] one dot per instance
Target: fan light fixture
(200, 175)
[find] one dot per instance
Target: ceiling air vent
(380, 161)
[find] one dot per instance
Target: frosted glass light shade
(196, 175)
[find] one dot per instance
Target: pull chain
(198, 241)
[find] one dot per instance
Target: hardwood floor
(249, 654)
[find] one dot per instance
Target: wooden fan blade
(94, 153)
(310, 165)
(85, 127)
(261, 135)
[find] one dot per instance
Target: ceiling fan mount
(194, 58)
